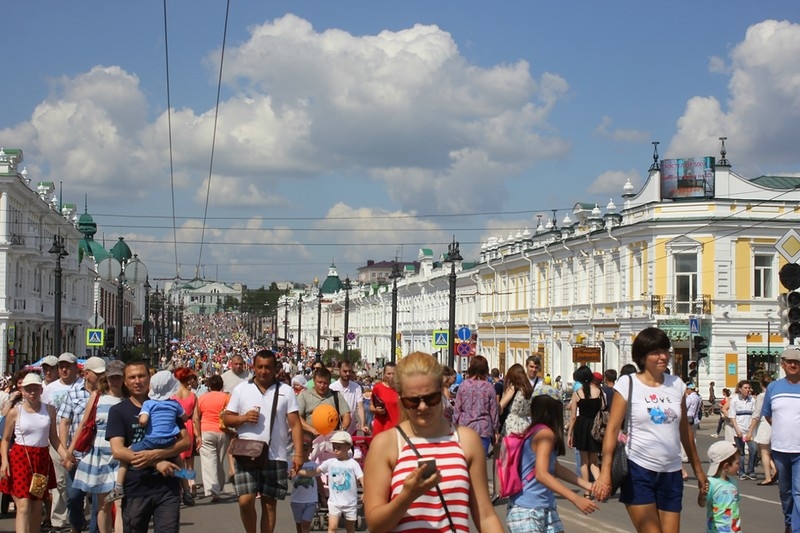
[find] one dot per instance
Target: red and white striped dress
(427, 513)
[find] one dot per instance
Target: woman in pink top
(214, 440)
(425, 474)
(188, 400)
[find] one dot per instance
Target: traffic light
(700, 347)
(790, 314)
(110, 337)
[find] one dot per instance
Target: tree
(332, 357)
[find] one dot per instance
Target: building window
(685, 282)
(762, 276)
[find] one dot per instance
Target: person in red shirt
(384, 403)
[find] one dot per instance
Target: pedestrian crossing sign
(95, 337)
(440, 338)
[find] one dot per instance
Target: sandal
(770, 481)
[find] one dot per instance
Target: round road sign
(464, 349)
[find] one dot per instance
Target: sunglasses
(412, 402)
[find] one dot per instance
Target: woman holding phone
(425, 473)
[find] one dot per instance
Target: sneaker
(117, 494)
(743, 477)
(752, 476)
(188, 499)
(714, 436)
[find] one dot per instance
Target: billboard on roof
(687, 178)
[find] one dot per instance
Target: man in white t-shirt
(533, 365)
(740, 414)
(54, 394)
(250, 412)
(352, 393)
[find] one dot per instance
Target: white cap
(719, 452)
(342, 437)
(50, 360)
(31, 378)
(95, 364)
(67, 357)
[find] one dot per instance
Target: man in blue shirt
(782, 410)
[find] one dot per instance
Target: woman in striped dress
(97, 469)
(403, 493)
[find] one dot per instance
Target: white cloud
(619, 134)
(612, 181)
(761, 116)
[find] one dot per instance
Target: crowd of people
(221, 400)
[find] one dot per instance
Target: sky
(349, 131)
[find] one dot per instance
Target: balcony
(669, 305)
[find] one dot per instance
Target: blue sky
(359, 130)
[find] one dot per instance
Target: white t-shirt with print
(343, 479)
(654, 434)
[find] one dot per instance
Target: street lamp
(319, 326)
(59, 251)
(394, 275)
(453, 255)
(346, 288)
(124, 267)
(286, 326)
(299, 327)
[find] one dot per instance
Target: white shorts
(349, 512)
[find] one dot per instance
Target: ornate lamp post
(286, 326)
(346, 288)
(394, 275)
(59, 251)
(146, 321)
(453, 255)
(299, 328)
(319, 326)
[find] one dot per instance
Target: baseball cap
(67, 357)
(95, 364)
(163, 385)
(115, 368)
(50, 360)
(597, 376)
(791, 354)
(342, 437)
(719, 452)
(32, 378)
(690, 386)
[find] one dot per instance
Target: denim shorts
(303, 512)
(644, 487)
(524, 520)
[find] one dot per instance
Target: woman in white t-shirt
(653, 491)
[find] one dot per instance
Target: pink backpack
(509, 462)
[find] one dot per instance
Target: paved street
(759, 508)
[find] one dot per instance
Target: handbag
(619, 461)
(39, 482)
(85, 439)
(254, 454)
(251, 454)
(600, 420)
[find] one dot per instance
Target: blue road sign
(464, 349)
(464, 333)
(694, 325)
(441, 338)
(95, 337)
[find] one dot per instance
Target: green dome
(121, 252)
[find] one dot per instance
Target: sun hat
(31, 378)
(718, 453)
(95, 364)
(67, 357)
(50, 360)
(163, 385)
(115, 368)
(547, 390)
(342, 437)
(791, 354)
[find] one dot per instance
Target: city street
(760, 507)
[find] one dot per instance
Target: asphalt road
(760, 508)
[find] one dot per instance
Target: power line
(169, 134)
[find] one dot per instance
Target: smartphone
(429, 467)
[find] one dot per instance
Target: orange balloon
(324, 418)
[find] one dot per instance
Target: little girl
(534, 509)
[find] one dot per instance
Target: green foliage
(330, 356)
(261, 301)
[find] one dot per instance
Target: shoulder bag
(38, 486)
(600, 420)
(84, 441)
(619, 462)
(438, 490)
(254, 454)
